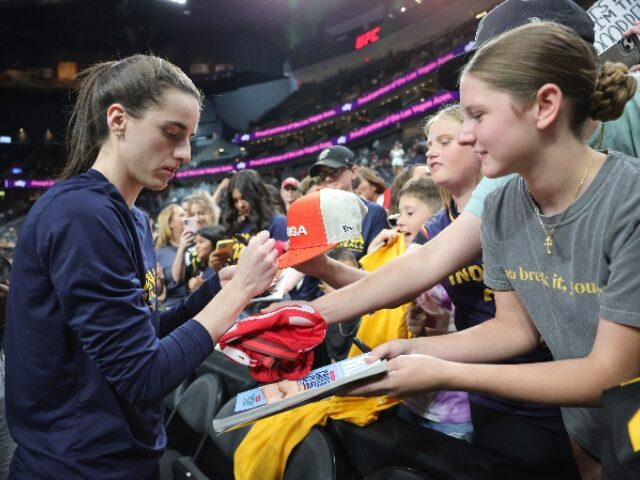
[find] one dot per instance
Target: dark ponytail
(136, 82)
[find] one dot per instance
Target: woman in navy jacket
(89, 357)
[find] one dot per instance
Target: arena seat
(196, 409)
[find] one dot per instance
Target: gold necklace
(548, 234)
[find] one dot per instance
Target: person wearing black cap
(335, 168)
(511, 14)
(336, 157)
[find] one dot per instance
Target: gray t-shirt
(591, 273)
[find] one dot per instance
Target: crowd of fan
(347, 86)
(350, 84)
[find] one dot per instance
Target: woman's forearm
(407, 276)
(177, 268)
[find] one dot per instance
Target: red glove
(278, 344)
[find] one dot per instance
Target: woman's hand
(407, 375)
(287, 303)
(217, 260)
(160, 279)
(257, 264)
(195, 283)
(389, 350)
(427, 318)
(226, 274)
(186, 239)
(416, 320)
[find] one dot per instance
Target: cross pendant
(548, 242)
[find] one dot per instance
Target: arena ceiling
(43, 32)
(31, 31)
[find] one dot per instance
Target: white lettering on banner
(296, 231)
(611, 19)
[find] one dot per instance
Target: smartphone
(626, 50)
(191, 224)
(225, 246)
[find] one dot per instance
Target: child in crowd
(410, 172)
(205, 244)
(446, 412)
(527, 96)
(201, 212)
(531, 435)
(419, 200)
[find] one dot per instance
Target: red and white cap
(290, 182)
(319, 221)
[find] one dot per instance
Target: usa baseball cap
(333, 157)
(319, 221)
(511, 14)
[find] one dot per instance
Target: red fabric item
(276, 345)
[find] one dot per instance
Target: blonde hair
(522, 60)
(452, 112)
(204, 200)
(164, 230)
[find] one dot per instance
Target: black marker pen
(364, 348)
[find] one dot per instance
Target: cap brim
(326, 162)
(449, 72)
(294, 257)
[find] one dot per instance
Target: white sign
(611, 18)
